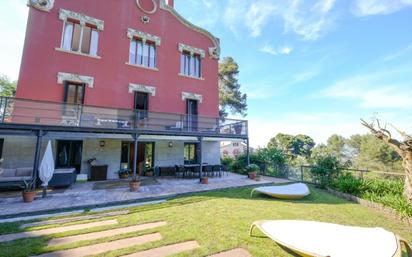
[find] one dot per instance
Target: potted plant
(134, 184)
(149, 172)
(123, 173)
(28, 193)
(252, 170)
(204, 180)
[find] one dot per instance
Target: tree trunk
(407, 164)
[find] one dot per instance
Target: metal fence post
(301, 173)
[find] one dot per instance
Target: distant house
(233, 149)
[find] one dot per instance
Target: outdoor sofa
(63, 178)
(15, 177)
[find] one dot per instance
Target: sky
(313, 67)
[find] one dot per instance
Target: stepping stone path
(105, 233)
(238, 252)
(73, 219)
(104, 247)
(166, 250)
(43, 232)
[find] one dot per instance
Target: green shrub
(348, 184)
(326, 168)
(386, 192)
(227, 161)
(253, 168)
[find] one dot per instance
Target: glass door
(69, 154)
(192, 112)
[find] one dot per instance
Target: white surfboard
(319, 239)
(291, 191)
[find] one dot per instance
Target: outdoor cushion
(7, 173)
(319, 239)
(13, 179)
(291, 191)
(21, 172)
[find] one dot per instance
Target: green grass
(219, 220)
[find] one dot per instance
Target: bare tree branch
(385, 135)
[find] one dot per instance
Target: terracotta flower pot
(123, 176)
(204, 180)
(149, 174)
(252, 175)
(134, 186)
(28, 197)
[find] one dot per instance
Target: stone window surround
(132, 33)
(142, 88)
(192, 50)
(64, 15)
(83, 19)
(192, 96)
(63, 76)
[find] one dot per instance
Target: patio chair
(217, 169)
(224, 169)
(195, 172)
(207, 169)
(180, 170)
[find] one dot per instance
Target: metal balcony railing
(31, 112)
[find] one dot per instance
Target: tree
(403, 148)
(7, 87)
(372, 153)
(293, 146)
(231, 98)
(336, 145)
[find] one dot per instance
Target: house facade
(234, 149)
(129, 83)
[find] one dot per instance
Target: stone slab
(105, 233)
(166, 250)
(43, 232)
(238, 252)
(114, 207)
(43, 216)
(104, 247)
(72, 219)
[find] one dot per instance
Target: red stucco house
(129, 83)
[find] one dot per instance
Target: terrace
(26, 114)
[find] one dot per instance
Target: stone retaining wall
(389, 212)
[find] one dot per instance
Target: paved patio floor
(82, 194)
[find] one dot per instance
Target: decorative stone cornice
(131, 33)
(65, 14)
(142, 88)
(192, 96)
(192, 50)
(63, 76)
(42, 5)
(214, 52)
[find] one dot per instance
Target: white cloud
(398, 54)
(380, 89)
(285, 50)
(379, 7)
(308, 19)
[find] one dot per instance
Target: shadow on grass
(317, 196)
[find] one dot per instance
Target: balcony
(18, 113)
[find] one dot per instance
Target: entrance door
(145, 155)
(69, 154)
(192, 112)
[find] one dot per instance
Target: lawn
(219, 220)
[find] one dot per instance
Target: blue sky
(313, 67)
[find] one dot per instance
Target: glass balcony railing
(30, 112)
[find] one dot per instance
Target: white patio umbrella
(46, 168)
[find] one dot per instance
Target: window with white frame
(191, 61)
(142, 53)
(80, 33)
(78, 38)
(190, 64)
